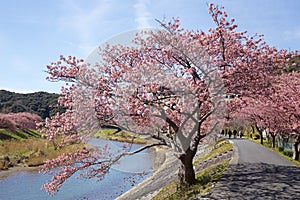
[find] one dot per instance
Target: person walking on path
(229, 133)
(240, 134)
(234, 133)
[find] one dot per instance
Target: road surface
(258, 173)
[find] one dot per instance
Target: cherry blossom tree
(6, 122)
(21, 120)
(286, 100)
(171, 81)
(165, 85)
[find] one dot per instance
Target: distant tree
(7, 123)
(25, 120)
(22, 120)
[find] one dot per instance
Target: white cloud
(142, 15)
(292, 34)
(82, 21)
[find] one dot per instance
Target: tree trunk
(261, 134)
(296, 151)
(273, 140)
(186, 171)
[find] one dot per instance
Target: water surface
(25, 185)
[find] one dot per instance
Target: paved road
(258, 174)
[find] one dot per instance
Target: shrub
(256, 136)
(288, 153)
(280, 149)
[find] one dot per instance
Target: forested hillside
(41, 103)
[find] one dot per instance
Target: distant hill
(41, 103)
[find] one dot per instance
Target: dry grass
(31, 152)
(218, 149)
(122, 136)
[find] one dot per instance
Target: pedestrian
(234, 133)
(229, 133)
(240, 134)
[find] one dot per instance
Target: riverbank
(166, 170)
(166, 167)
(159, 157)
(33, 151)
(119, 135)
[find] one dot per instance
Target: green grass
(219, 148)
(122, 136)
(18, 134)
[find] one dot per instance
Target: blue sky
(33, 33)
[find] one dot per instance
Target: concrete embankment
(166, 168)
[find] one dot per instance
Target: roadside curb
(235, 157)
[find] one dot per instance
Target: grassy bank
(6, 134)
(121, 136)
(27, 148)
(205, 178)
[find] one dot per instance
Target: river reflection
(25, 185)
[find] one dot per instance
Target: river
(25, 185)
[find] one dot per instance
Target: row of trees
(172, 81)
(277, 113)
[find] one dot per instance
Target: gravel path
(258, 174)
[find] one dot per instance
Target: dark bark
(296, 151)
(186, 171)
(273, 140)
(253, 131)
(261, 137)
(260, 134)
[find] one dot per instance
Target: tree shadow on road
(258, 181)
